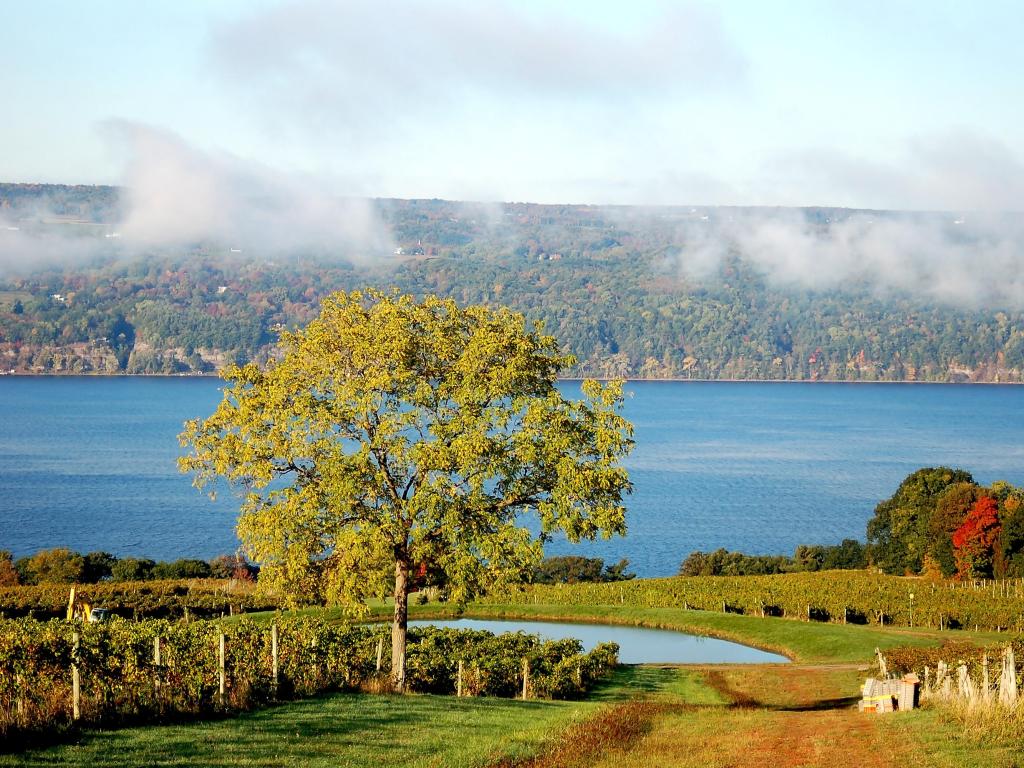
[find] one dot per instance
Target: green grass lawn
(677, 685)
(334, 730)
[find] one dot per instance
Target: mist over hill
(93, 279)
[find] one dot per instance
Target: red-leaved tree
(975, 540)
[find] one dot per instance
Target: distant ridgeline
(635, 293)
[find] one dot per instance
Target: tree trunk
(400, 625)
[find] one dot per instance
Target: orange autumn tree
(974, 542)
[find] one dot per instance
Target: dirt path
(774, 717)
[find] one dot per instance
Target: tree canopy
(574, 569)
(974, 542)
(393, 434)
(941, 522)
(898, 537)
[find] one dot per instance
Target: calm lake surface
(89, 463)
(636, 645)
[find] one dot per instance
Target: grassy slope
(335, 730)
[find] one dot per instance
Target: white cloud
(176, 194)
(365, 68)
(973, 260)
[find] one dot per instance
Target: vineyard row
(838, 596)
(55, 673)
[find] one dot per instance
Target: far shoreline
(21, 375)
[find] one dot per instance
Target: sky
(906, 105)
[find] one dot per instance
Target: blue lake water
(89, 463)
(636, 645)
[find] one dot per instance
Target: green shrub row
(121, 680)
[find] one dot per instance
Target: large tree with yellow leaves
(392, 433)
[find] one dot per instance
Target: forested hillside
(613, 284)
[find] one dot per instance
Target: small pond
(637, 645)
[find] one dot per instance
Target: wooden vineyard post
(985, 682)
(76, 678)
(882, 666)
(808, 612)
(526, 677)
(20, 702)
(156, 668)
(380, 651)
(458, 684)
(1008, 679)
(222, 688)
(273, 655)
